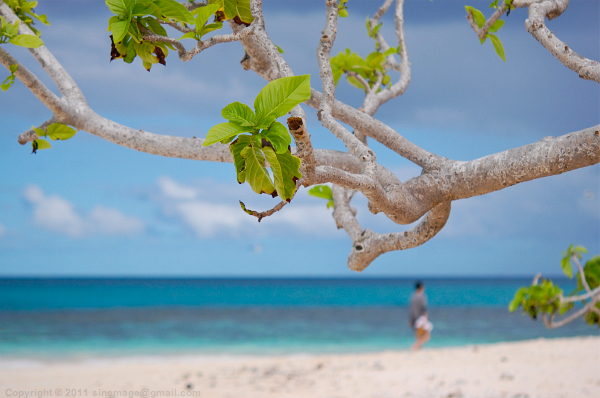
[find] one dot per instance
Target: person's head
(419, 287)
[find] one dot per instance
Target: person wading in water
(418, 316)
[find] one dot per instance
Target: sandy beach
(568, 367)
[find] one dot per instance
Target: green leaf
(42, 18)
(497, 46)
(121, 7)
(144, 51)
(203, 13)
(141, 9)
(255, 172)
(375, 59)
(236, 148)
(10, 80)
(7, 83)
(496, 26)
(188, 35)
(222, 132)
(567, 267)
(323, 192)
(265, 123)
(390, 51)
(286, 170)
(239, 113)
(591, 271)
(119, 29)
(279, 49)
(135, 32)
(343, 13)
(477, 16)
(7, 29)
(40, 144)
(279, 96)
(175, 11)
(130, 52)
(243, 11)
(517, 300)
(386, 79)
(229, 8)
(277, 135)
(352, 80)
(210, 27)
(59, 131)
(39, 132)
(155, 26)
(29, 41)
(580, 249)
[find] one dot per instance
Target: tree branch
(551, 324)
(586, 68)
(53, 68)
(581, 274)
(371, 245)
(481, 33)
(573, 299)
(175, 25)
(195, 4)
(380, 132)
(31, 135)
(550, 156)
(304, 148)
(401, 85)
(202, 44)
(35, 85)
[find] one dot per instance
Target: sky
(88, 207)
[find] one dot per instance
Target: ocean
(80, 318)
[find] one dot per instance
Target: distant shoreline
(8, 361)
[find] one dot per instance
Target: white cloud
(54, 213)
(57, 214)
(174, 190)
(112, 222)
(207, 218)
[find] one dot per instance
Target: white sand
(537, 368)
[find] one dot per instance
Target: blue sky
(89, 207)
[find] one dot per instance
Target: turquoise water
(108, 317)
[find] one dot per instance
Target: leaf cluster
(55, 131)
(323, 192)
(25, 12)
(256, 139)
(479, 19)
(538, 298)
(369, 68)
(591, 272)
(348, 61)
(9, 33)
(544, 297)
(568, 256)
(343, 8)
(9, 81)
(133, 15)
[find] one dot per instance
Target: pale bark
(426, 197)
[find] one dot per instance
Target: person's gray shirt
(418, 307)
